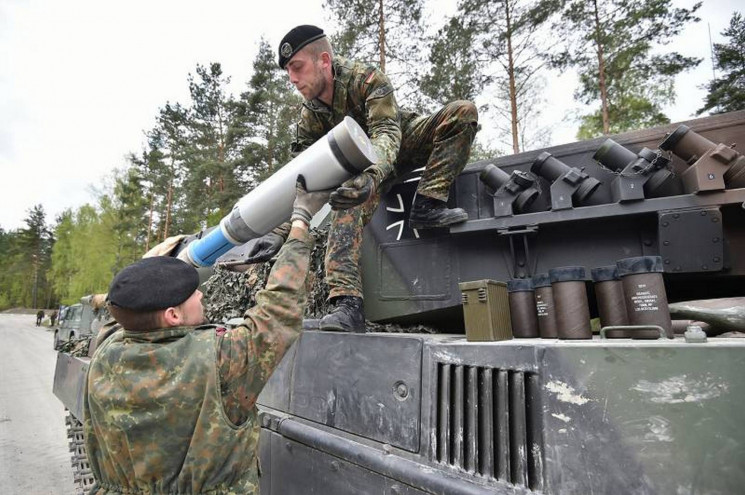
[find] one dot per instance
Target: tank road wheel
(81, 469)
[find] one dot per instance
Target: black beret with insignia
(295, 40)
(153, 283)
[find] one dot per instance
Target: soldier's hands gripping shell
(307, 203)
(265, 248)
(353, 192)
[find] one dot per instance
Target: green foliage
(727, 92)
(610, 43)
(490, 50)
(264, 123)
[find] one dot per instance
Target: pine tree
(264, 124)
(611, 43)
(388, 33)
(727, 92)
(35, 242)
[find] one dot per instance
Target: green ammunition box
(486, 310)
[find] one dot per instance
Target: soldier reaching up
(170, 402)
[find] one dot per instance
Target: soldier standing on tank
(334, 87)
(169, 405)
(39, 317)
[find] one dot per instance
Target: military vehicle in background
(80, 320)
(419, 413)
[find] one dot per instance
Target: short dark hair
(137, 321)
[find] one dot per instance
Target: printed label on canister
(644, 300)
(541, 306)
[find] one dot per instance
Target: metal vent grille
(488, 423)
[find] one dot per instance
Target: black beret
(295, 40)
(153, 283)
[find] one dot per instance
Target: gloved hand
(265, 248)
(307, 203)
(353, 192)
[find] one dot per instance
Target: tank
(434, 413)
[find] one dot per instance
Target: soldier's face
(307, 74)
(192, 311)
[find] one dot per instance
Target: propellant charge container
(644, 294)
(544, 306)
(522, 308)
(610, 298)
(570, 300)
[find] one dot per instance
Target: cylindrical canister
(544, 306)
(610, 298)
(644, 293)
(342, 153)
(522, 308)
(570, 300)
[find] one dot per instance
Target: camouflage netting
(77, 346)
(228, 294)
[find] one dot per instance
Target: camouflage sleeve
(283, 230)
(308, 130)
(383, 122)
(248, 354)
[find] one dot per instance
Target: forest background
(204, 153)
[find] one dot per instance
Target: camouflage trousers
(441, 143)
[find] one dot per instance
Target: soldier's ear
(172, 317)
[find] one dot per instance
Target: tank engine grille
(488, 423)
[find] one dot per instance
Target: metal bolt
(667, 262)
(386, 449)
(520, 263)
(677, 215)
(335, 466)
(714, 219)
(665, 224)
(288, 446)
(677, 268)
(716, 259)
(666, 243)
(703, 213)
(715, 239)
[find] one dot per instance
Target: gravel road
(33, 439)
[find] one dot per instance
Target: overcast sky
(80, 80)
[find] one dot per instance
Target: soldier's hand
(353, 192)
(165, 247)
(307, 203)
(265, 248)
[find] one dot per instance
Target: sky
(81, 80)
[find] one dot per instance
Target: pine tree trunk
(511, 73)
(150, 222)
(381, 36)
(601, 70)
(169, 202)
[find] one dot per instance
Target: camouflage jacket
(365, 94)
(173, 410)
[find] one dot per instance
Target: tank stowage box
(486, 310)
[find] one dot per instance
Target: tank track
(82, 474)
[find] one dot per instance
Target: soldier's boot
(430, 213)
(346, 315)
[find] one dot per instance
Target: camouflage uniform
(173, 410)
(404, 141)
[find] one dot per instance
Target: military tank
(443, 413)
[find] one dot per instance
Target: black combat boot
(430, 213)
(346, 315)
